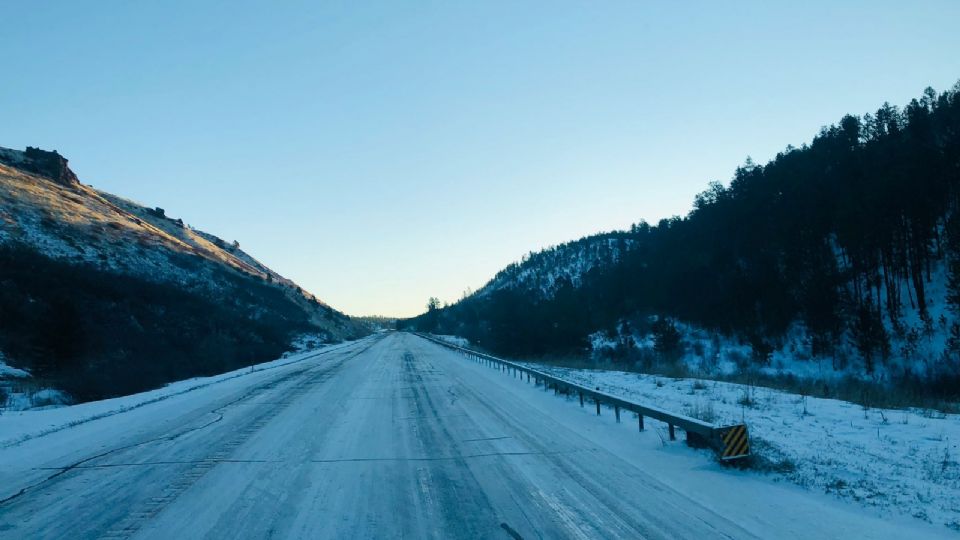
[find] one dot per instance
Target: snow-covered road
(393, 437)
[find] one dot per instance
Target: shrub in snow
(455, 340)
(48, 397)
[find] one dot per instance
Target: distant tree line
(836, 234)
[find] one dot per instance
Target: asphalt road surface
(394, 437)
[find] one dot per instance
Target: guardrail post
(673, 435)
(598, 406)
(640, 421)
(581, 399)
(616, 412)
(528, 376)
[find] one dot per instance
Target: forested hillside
(101, 296)
(851, 242)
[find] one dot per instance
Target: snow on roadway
(21, 425)
(904, 461)
(393, 437)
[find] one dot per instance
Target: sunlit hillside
(89, 271)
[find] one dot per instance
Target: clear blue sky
(381, 153)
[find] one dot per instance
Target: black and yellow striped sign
(736, 443)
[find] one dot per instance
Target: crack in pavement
(425, 416)
(513, 534)
(152, 463)
(80, 464)
(273, 461)
(441, 458)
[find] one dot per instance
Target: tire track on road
(221, 451)
(121, 410)
(153, 506)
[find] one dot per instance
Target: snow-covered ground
(17, 426)
(395, 437)
(903, 461)
(454, 340)
(917, 344)
(11, 382)
(10, 372)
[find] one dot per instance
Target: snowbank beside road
(902, 460)
(453, 340)
(19, 426)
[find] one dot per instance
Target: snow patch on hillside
(308, 342)
(454, 340)
(917, 345)
(10, 372)
(544, 271)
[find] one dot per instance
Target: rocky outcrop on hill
(50, 165)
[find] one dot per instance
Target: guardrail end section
(733, 442)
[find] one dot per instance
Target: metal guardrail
(730, 442)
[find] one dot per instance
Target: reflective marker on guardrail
(736, 442)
